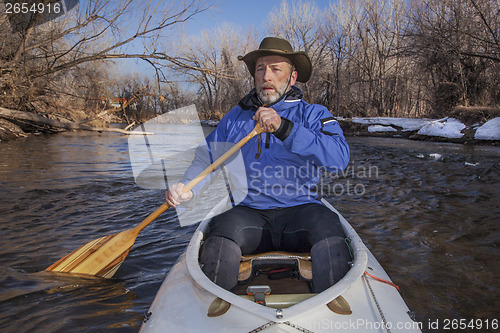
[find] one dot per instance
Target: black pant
(292, 229)
(306, 228)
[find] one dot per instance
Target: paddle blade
(101, 257)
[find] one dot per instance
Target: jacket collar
(252, 101)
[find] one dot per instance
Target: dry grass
(470, 115)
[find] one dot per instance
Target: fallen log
(10, 131)
(38, 119)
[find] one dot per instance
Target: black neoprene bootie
(220, 261)
(330, 262)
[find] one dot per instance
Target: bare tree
(369, 75)
(457, 44)
(175, 97)
(39, 57)
(299, 23)
(223, 81)
(378, 31)
(338, 37)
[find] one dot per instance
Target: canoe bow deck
(182, 303)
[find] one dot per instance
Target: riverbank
(442, 130)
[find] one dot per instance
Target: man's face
(271, 77)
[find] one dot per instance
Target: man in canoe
(281, 211)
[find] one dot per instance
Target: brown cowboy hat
(281, 47)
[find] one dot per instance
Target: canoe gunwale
(355, 273)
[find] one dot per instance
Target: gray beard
(272, 98)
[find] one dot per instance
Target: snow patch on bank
(446, 128)
(381, 128)
(407, 124)
(489, 131)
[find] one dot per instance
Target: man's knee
(220, 259)
(330, 262)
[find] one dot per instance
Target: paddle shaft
(189, 186)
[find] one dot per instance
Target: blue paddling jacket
(281, 169)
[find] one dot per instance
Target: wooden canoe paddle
(103, 256)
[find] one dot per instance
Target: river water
(428, 211)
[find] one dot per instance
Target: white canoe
(183, 301)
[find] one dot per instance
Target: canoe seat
(250, 263)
